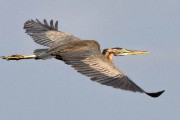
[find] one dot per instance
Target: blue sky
(44, 90)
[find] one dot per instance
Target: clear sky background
(51, 90)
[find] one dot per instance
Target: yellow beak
(133, 52)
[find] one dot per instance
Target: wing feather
(88, 61)
(83, 56)
(47, 34)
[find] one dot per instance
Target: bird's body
(83, 55)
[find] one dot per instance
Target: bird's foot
(13, 57)
(18, 57)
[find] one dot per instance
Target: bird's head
(122, 52)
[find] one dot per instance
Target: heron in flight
(83, 55)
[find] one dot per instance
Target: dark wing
(88, 60)
(47, 34)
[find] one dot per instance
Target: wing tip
(157, 94)
(29, 24)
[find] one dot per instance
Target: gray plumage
(89, 61)
(47, 35)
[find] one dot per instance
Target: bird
(84, 56)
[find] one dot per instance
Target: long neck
(108, 53)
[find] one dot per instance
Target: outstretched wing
(89, 61)
(86, 58)
(47, 34)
